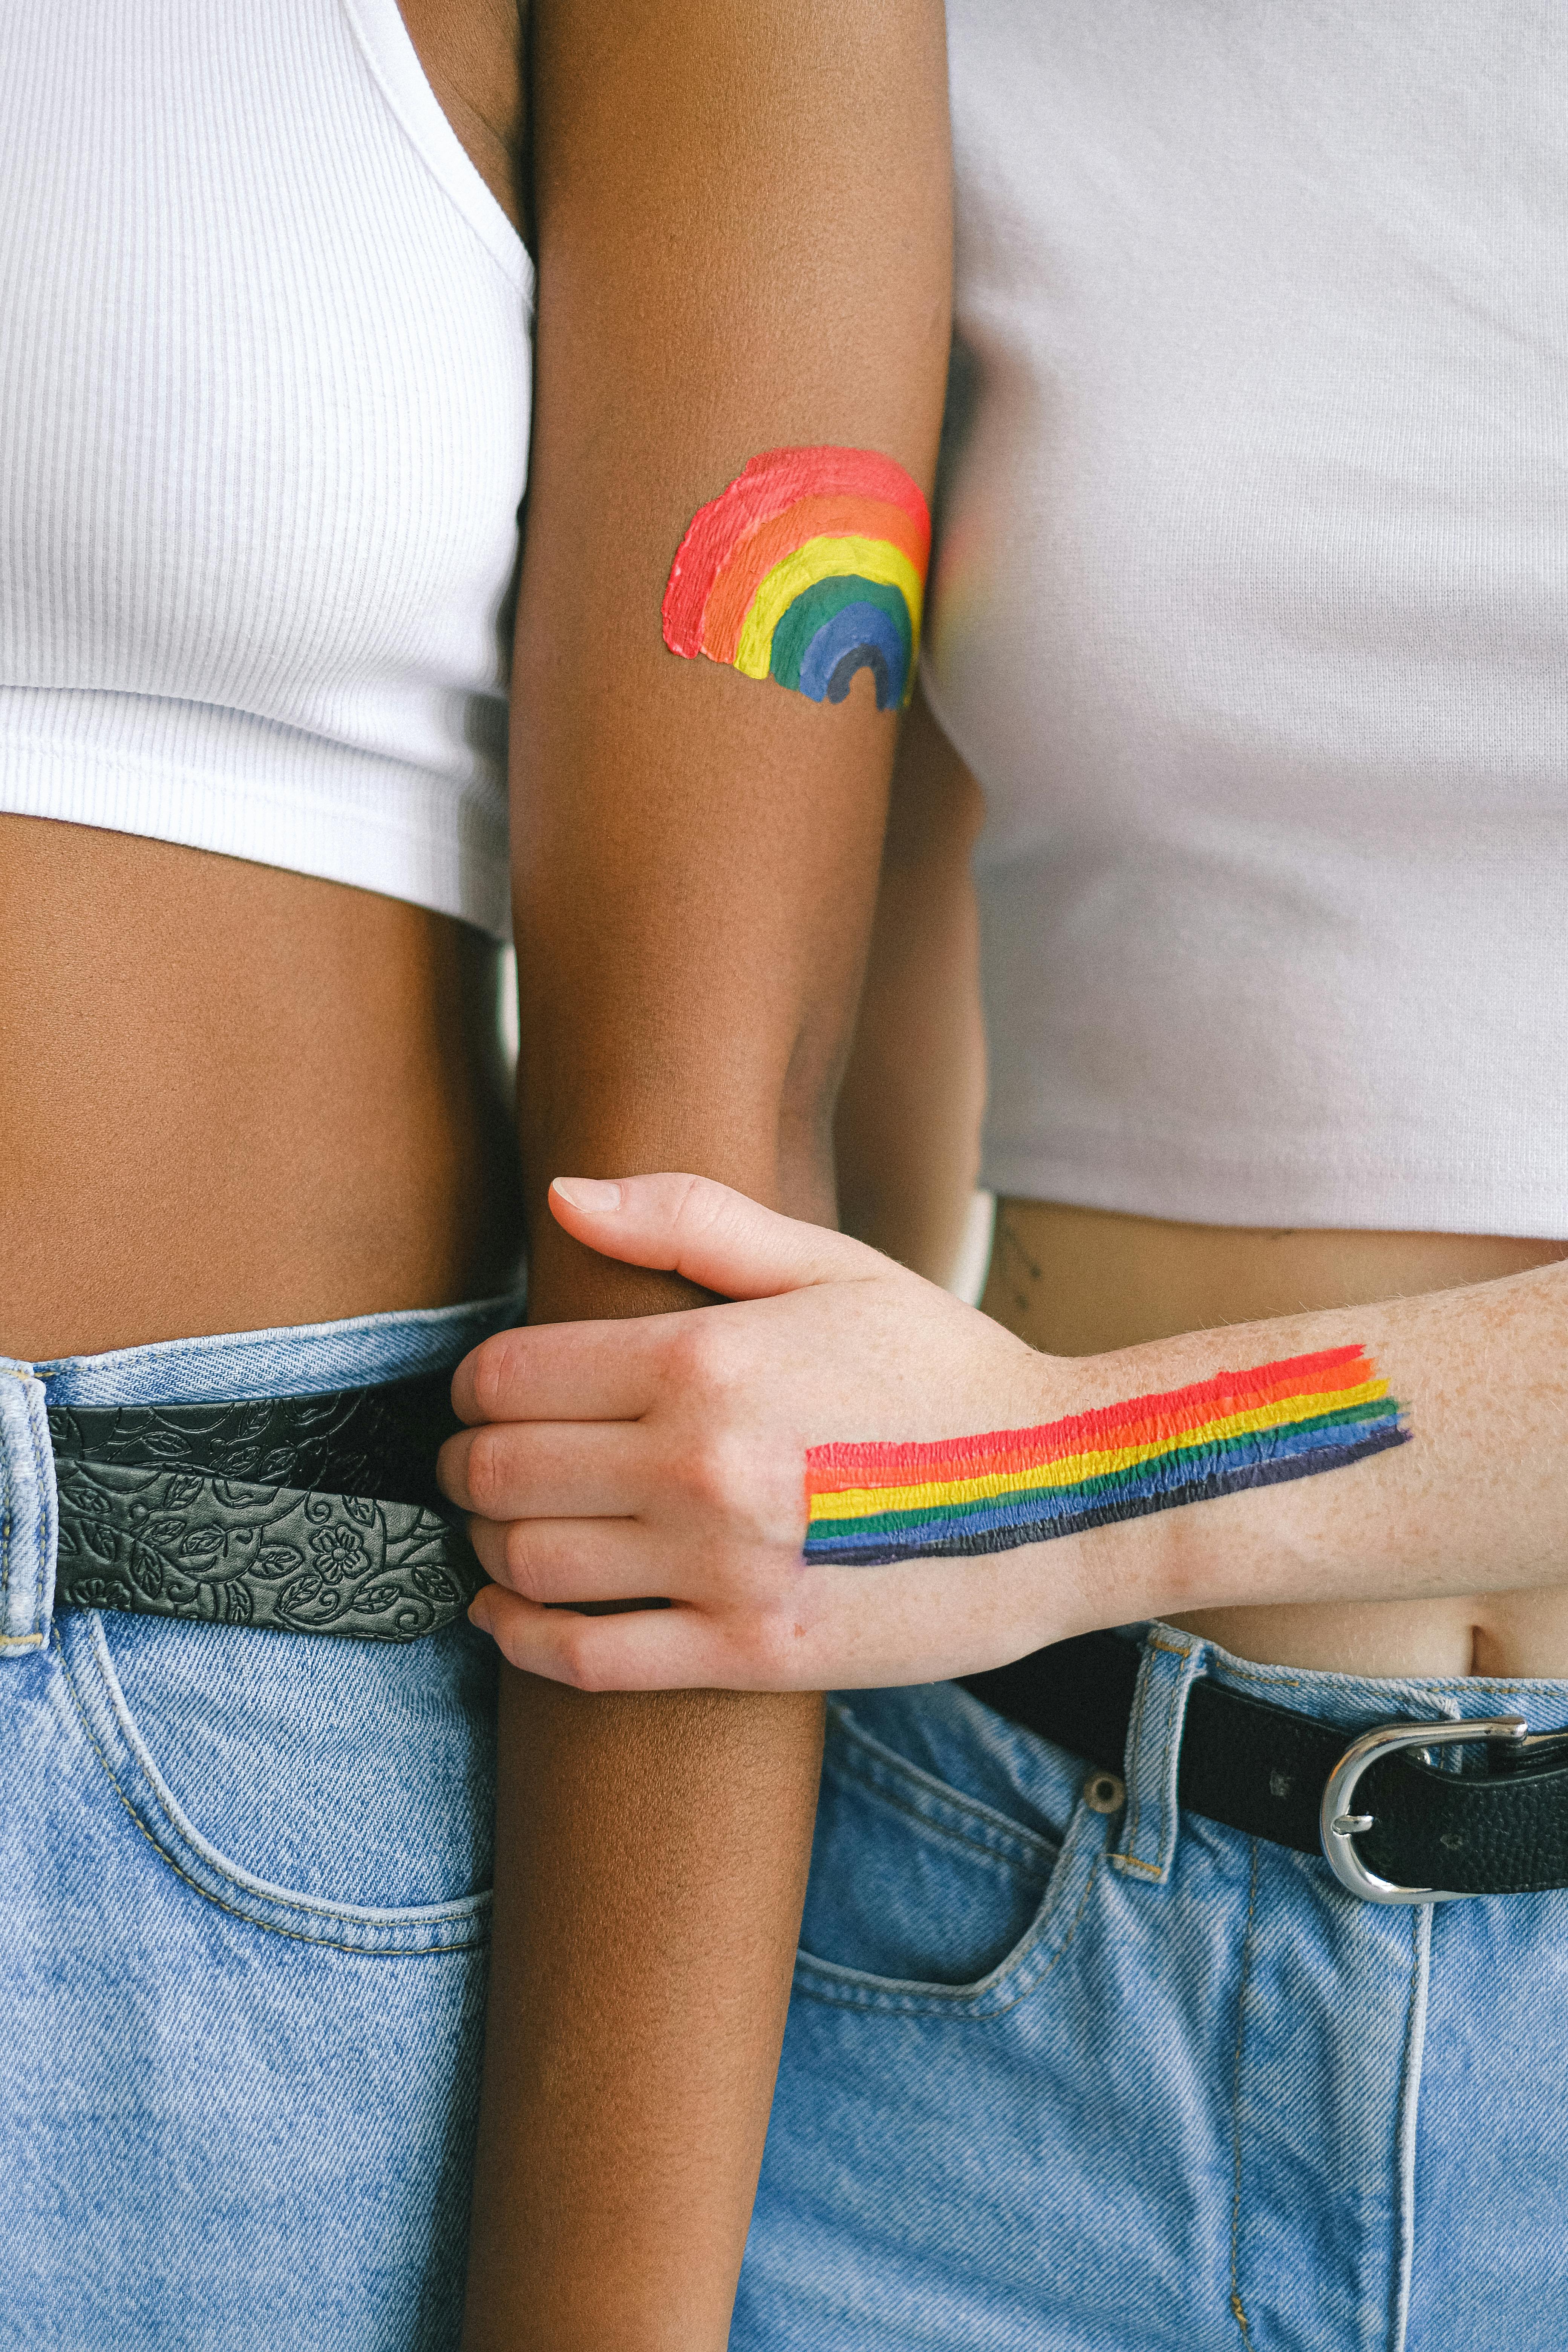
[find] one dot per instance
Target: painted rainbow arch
(809, 568)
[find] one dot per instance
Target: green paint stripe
(817, 604)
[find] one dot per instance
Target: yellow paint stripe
(815, 560)
(857, 1502)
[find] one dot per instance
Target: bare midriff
(1076, 1282)
(233, 1098)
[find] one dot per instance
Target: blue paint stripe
(1006, 1532)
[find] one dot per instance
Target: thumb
(721, 1239)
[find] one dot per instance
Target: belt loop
(29, 1518)
(1169, 1669)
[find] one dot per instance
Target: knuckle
(486, 1472)
(776, 1645)
(715, 1471)
(701, 1205)
(494, 1366)
(691, 1350)
(523, 1567)
(576, 1657)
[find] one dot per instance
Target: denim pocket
(344, 1800)
(924, 1897)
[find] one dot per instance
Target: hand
(610, 1462)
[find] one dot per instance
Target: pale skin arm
(674, 1462)
(743, 243)
(907, 1131)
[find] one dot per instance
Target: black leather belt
(1395, 1828)
(308, 1514)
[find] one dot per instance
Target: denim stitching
(935, 2003)
(959, 1993)
(1237, 2312)
(1409, 2089)
(1126, 1857)
(5, 1545)
(1456, 1683)
(1172, 1809)
(281, 1901)
(1031, 1844)
(312, 1905)
(1134, 1735)
(41, 1472)
(972, 1846)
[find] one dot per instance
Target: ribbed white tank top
(264, 413)
(1251, 602)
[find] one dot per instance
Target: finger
(559, 1563)
(647, 1649)
(561, 1372)
(546, 1469)
(719, 1238)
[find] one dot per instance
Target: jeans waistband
(303, 1360)
(1354, 1701)
(1174, 1659)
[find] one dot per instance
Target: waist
(235, 1097)
(1076, 1282)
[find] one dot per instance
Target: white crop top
(1251, 606)
(264, 413)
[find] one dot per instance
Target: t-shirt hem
(395, 855)
(1272, 1188)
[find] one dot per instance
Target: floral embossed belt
(307, 1514)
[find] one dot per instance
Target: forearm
(649, 1874)
(650, 1869)
(1475, 1502)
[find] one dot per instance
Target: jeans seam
(235, 1911)
(941, 1829)
(1134, 1735)
(1134, 1761)
(888, 1761)
(1233, 1670)
(1237, 2310)
(1407, 2112)
(5, 1542)
(1171, 1809)
(942, 1995)
(42, 1473)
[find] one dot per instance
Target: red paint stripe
(814, 518)
(769, 484)
(1168, 1414)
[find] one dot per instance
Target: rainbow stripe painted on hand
(809, 568)
(874, 1503)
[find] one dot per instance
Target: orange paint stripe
(840, 517)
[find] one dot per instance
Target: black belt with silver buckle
(1392, 1827)
(303, 1514)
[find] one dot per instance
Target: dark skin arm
(744, 243)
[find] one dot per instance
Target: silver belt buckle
(1338, 1824)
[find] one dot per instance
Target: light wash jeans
(243, 1926)
(1057, 2081)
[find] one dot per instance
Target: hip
(243, 1954)
(1038, 2091)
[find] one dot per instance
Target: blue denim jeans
(243, 1933)
(1060, 2081)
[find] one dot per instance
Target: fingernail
(588, 1192)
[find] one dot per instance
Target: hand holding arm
(677, 1462)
